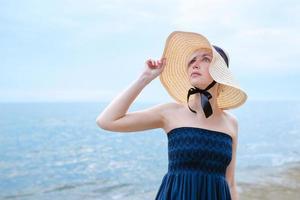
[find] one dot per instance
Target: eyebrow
(203, 55)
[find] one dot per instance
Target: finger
(159, 63)
(149, 63)
(152, 62)
(162, 60)
(155, 64)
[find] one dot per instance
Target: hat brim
(179, 47)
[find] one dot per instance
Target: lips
(195, 73)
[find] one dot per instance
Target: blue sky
(71, 50)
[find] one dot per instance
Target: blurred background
(62, 62)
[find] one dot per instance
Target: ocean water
(56, 150)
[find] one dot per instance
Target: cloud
(269, 48)
(265, 32)
(192, 13)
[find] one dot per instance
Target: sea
(55, 150)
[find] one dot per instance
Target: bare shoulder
(164, 109)
(167, 108)
(172, 106)
(233, 122)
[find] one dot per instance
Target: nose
(196, 64)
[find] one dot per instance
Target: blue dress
(198, 159)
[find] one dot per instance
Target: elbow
(101, 123)
(104, 123)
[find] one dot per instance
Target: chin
(198, 84)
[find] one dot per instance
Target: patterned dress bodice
(198, 149)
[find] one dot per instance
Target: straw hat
(179, 47)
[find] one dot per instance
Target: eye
(192, 61)
(206, 59)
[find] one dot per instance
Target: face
(199, 63)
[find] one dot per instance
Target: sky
(71, 50)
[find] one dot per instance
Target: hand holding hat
(153, 68)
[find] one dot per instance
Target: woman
(202, 136)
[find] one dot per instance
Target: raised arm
(115, 117)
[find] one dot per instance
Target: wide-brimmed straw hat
(179, 47)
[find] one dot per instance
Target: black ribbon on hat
(205, 96)
(222, 53)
